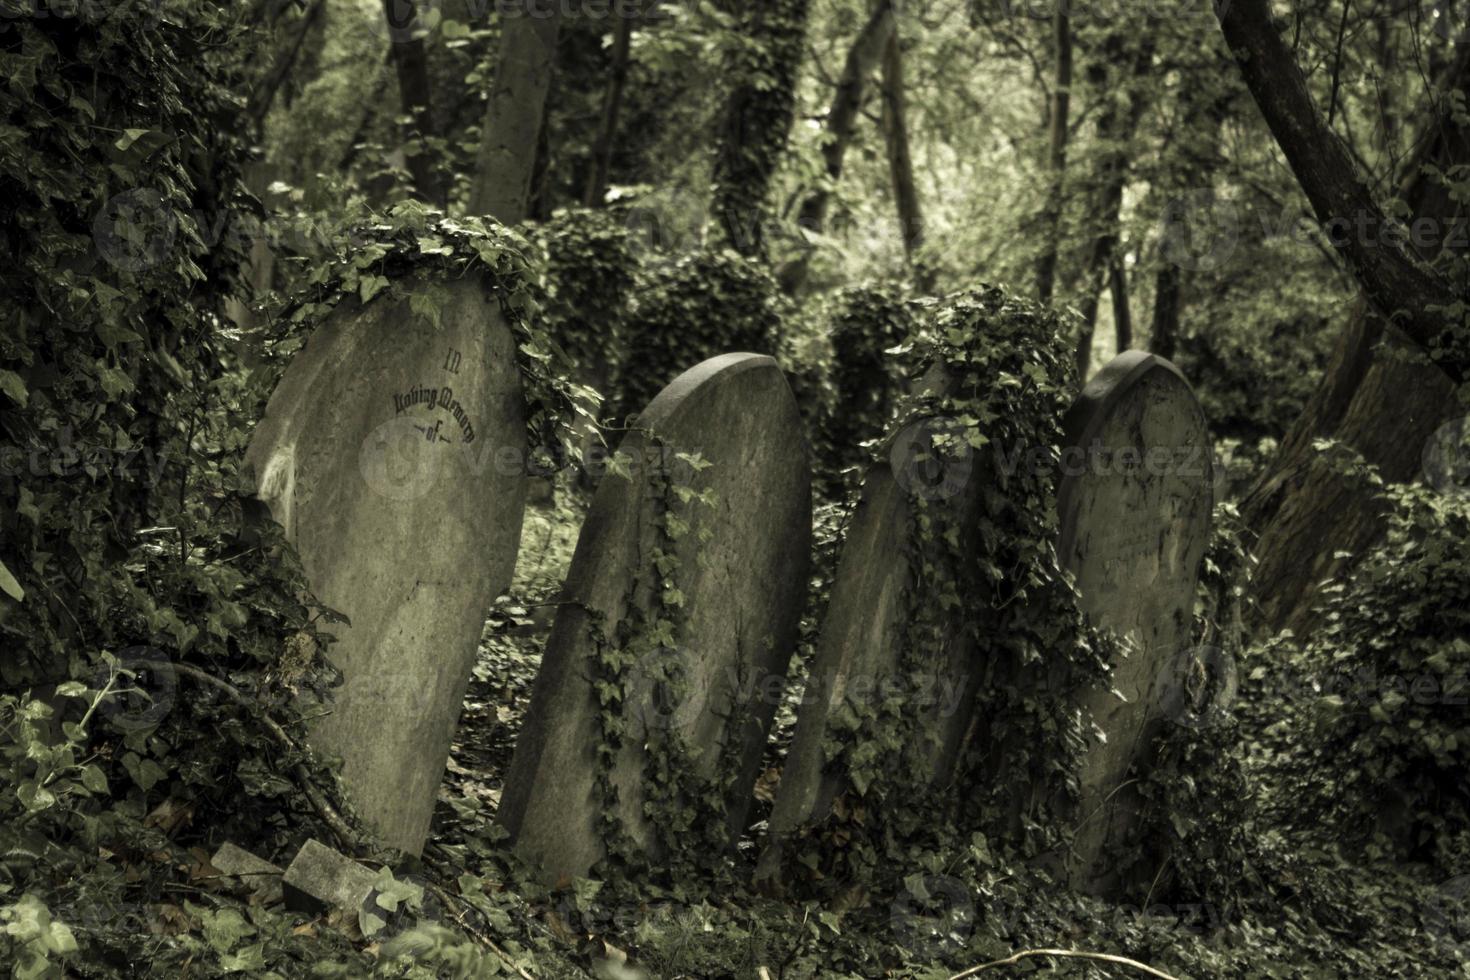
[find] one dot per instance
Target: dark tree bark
(1163, 333)
(411, 62)
(901, 164)
(1380, 401)
(1396, 282)
(1061, 101)
(1115, 127)
(513, 118)
(1122, 313)
(757, 117)
(847, 100)
(612, 103)
(1190, 158)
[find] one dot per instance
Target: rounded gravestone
(391, 452)
(1134, 504)
(861, 662)
(676, 625)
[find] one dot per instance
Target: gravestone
(1134, 503)
(392, 454)
(703, 642)
(858, 664)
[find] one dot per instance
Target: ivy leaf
(12, 385)
(129, 137)
(9, 585)
(371, 286)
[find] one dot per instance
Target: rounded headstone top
(721, 369)
(1092, 408)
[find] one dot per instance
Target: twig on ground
(1069, 953)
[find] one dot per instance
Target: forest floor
(1307, 911)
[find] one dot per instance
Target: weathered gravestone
(391, 453)
(861, 665)
(677, 623)
(1134, 502)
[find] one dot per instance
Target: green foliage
(982, 577)
(698, 306)
(867, 321)
(588, 272)
(1254, 373)
(757, 116)
(1397, 676)
(397, 251)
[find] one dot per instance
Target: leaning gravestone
(675, 628)
(860, 660)
(1134, 503)
(391, 454)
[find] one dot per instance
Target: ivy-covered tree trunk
(1378, 397)
(513, 117)
(847, 100)
(1056, 162)
(757, 117)
(901, 162)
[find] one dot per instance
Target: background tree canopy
(1271, 195)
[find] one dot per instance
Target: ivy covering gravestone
(947, 591)
(1135, 504)
(675, 628)
(394, 452)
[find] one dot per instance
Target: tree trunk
(1061, 101)
(1163, 332)
(757, 117)
(1385, 405)
(1395, 281)
(411, 62)
(866, 48)
(513, 117)
(901, 164)
(612, 103)
(1122, 314)
(1115, 127)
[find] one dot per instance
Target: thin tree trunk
(411, 61)
(1122, 314)
(1305, 512)
(1163, 334)
(901, 164)
(1061, 100)
(847, 100)
(514, 114)
(1115, 128)
(757, 117)
(612, 103)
